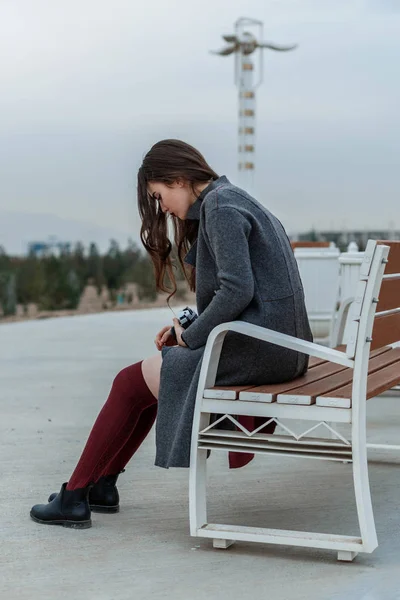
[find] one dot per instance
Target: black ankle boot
(69, 508)
(103, 497)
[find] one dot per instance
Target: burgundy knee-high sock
(138, 435)
(113, 428)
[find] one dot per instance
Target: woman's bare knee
(151, 369)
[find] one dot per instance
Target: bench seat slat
(381, 358)
(318, 372)
(272, 390)
(225, 392)
(267, 393)
(314, 361)
(378, 382)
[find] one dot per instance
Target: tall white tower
(245, 46)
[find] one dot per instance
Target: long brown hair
(165, 162)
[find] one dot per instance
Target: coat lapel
(190, 257)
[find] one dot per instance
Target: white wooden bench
(333, 391)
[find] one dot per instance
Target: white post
(246, 122)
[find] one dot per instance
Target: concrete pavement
(54, 377)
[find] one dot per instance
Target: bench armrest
(216, 338)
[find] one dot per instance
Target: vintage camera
(185, 318)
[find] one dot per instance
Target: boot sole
(104, 509)
(65, 523)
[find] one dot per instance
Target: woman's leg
(151, 368)
(122, 424)
(138, 435)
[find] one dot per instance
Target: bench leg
(346, 555)
(198, 482)
(361, 480)
(223, 544)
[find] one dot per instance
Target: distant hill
(18, 229)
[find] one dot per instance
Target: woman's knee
(127, 375)
(148, 369)
(151, 370)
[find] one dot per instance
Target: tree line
(56, 281)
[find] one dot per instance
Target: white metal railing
(319, 272)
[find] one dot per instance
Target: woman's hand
(178, 331)
(164, 338)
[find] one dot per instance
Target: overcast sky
(87, 86)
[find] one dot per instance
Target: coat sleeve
(228, 232)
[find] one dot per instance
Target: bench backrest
(306, 244)
(375, 312)
(386, 329)
(378, 287)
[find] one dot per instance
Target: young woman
(237, 256)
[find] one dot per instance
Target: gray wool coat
(245, 271)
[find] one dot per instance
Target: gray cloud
(392, 6)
